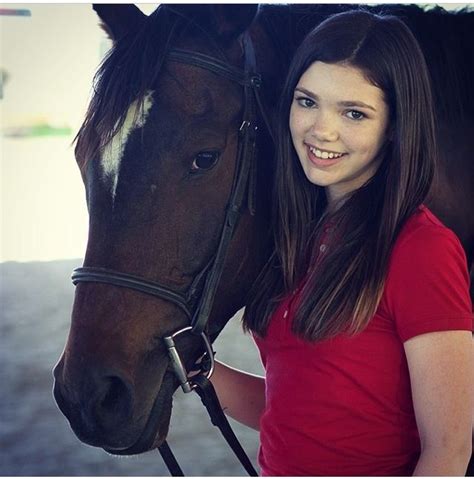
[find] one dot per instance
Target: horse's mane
(446, 38)
(447, 41)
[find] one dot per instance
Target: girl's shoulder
(427, 282)
(425, 236)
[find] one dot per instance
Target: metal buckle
(177, 364)
(256, 81)
(244, 126)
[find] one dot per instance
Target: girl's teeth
(324, 154)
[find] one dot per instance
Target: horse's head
(157, 153)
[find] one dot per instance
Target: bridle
(197, 302)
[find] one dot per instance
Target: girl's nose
(324, 129)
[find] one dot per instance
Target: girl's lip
(321, 162)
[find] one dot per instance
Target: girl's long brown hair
(342, 293)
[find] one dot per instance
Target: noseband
(197, 302)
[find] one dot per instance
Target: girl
(362, 315)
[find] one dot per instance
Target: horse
(158, 153)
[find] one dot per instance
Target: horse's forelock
(126, 76)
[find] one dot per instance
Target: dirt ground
(35, 438)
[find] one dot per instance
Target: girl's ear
(119, 19)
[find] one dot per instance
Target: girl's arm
(242, 395)
(441, 368)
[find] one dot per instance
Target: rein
(197, 302)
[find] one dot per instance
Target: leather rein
(197, 302)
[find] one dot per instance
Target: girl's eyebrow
(346, 103)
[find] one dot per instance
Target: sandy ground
(35, 438)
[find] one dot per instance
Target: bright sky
(50, 58)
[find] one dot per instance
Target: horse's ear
(119, 19)
(227, 21)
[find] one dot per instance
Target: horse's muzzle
(101, 411)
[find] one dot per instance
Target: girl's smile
(338, 123)
(323, 158)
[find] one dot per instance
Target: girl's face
(338, 123)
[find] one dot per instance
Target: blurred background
(48, 56)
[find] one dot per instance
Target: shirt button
(285, 314)
(323, 248)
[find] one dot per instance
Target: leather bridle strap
(245, 155)
(247, 134)
(251, 81)
(170, 461)
(106, 276)
(210, 400)
(208, 396)
(211, 64)
(186, 302)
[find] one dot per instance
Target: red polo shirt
(343, 406)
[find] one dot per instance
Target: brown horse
(158, 151)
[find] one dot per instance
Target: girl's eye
(355, 115)
(204, 161)
(305, 102)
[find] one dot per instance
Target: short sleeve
(427, 286)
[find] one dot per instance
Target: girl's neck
(333, 203)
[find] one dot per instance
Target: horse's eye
(205, 160)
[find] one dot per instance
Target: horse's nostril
(114, 402)
(115, 394)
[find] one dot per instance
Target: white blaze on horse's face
(113, 152)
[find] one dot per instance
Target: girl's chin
(318, 180)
